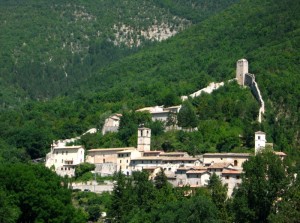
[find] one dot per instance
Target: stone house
(111, 124)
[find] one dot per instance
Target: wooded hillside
(266, 33)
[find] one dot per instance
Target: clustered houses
(180, 168)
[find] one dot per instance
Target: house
(145, 162)
(231, 178)
(237, 159)
(111, 124)
(105, 160)
(64, 159)
(217, 168)
(197, 178)
(159, 113)
(124, 160)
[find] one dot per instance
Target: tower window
(258, 137)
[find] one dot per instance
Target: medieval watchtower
(144, 139)
(241, 70)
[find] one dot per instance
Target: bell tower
(144, 139)
(260, 141)
(241, 70)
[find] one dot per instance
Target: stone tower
(144, 139)
(260, 141)
(241, 70)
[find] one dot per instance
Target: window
(235, 163)
(169, 168)
(238, 177)
(56, 153)
(62, 168)
(126, 161)
(258, 137)
(63, 152)
(66, 152)
(120, 161)
(227, 177)
(62, 160)
(103, 160)
(56, 160)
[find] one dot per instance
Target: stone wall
(106, 169)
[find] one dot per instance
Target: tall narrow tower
(260, 141)
(144, 139)
(241, 70)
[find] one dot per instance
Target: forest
(66, 65)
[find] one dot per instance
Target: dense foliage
(138, 199)
(33, 193)
(49, 48)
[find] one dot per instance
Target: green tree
(287, 207)
(219, 196)
(187, 116)
(263, 183)
(37, 195)
(121, 201)
(9, 211)
(83, 168)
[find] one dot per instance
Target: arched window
(235, 163)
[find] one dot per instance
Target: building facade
(63, 159)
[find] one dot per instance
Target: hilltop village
(180, 168)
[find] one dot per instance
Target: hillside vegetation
(50, 47)
(264, 32)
